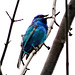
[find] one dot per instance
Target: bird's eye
(39, 16)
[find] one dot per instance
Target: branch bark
(0, 72)
(59, 41)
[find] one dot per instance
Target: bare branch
(18, 20)
(12, 21)
(53, 17)
(0, 69)
(58, 42)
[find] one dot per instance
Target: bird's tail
(20, 59)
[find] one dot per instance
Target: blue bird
(35, 35)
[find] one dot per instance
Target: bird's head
(42, 18)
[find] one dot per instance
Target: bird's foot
(36, 49)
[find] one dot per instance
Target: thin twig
(9, 15)
(18, 20)
(56, 23)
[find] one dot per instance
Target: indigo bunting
(35, 35)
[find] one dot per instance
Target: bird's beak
(45, 17)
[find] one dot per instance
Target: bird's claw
(36, 50)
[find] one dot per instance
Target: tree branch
(7, 42)
(0, 69)
(12, 21)
(59, 41)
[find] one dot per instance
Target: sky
(27, 10)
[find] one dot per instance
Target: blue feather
(38, 37)
(35, 35)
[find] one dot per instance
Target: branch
(58, 42)
(18, 20)
(12, 19)
(7, 42)
(0, 69)
(53, 17)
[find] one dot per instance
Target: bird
(35, 35)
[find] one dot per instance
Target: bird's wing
(27, 37)
(28, 34)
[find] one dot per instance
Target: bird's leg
(35, 48)
(46, 46)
